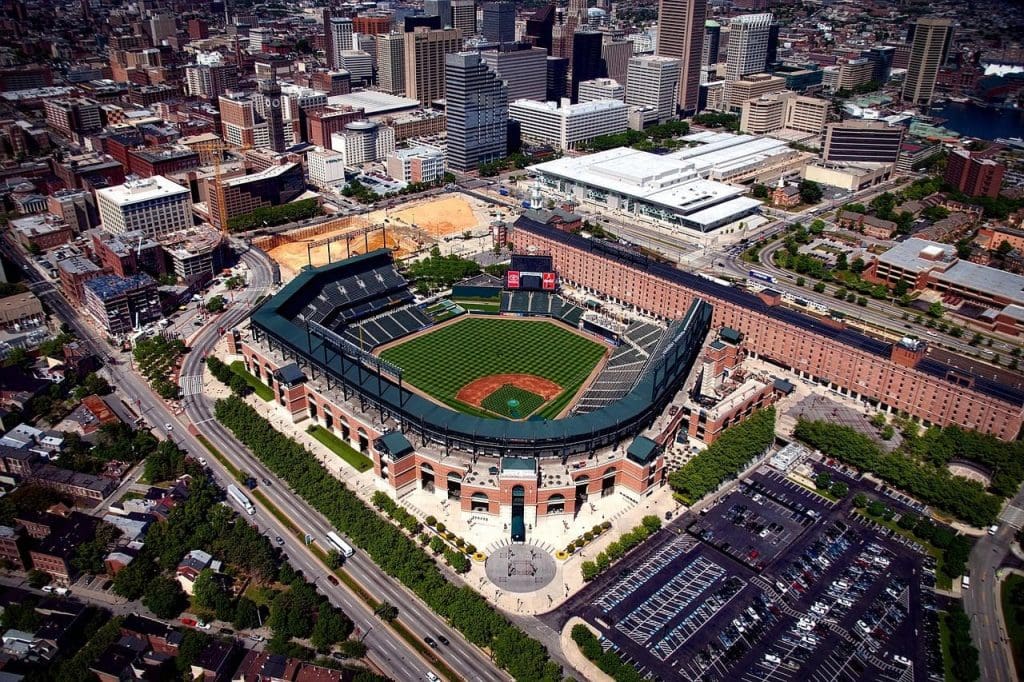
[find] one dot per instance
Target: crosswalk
(191, 384)
(1013, 516)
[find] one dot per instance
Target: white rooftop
(271, 172)
(373, 102)
(918, 255)
(136, 191)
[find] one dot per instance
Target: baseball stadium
(529, 402)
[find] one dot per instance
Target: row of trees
(649, 525)
(492, 168)
(156, 358)
(724, 458)
(1003, 461)
(961, 497)
(395, 553)
(268, 216)
(609, 662)
(224, 374)
(438, 272)
(962, 652)
(654, 136)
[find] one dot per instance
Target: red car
(189, 622)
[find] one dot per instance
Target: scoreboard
(531, 281)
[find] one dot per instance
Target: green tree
(760, 191)
(935, 309)
(1004, 248)
(810, 192)
(331, 627)
(38, 579)
(386, 611)
(164, 598)
(216, 304)
(132, 580)
(193, 642)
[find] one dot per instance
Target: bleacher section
(357, 297)
(643, 335)
(387, 327)
(541, 303)
(615, 380)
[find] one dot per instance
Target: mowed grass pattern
(443, 361)
(497, 402)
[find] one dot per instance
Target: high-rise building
(779, 110)
(681, 36)
(340, 30)
(653, 81)
(464, 17)
(415, 21)
(772, 52)
(499, 22)
(363, 141)
(323, 122)
(540, 25)
(927, 52)
(372, 24)
(754, 85)
(440, 8)
(854, 73)
(425, 52)
(121, 304)
(601, 88)
(477, 111)
(210, 81)
(522, 67)
(615, 56)
(391, 63)
(881, 57)
(712, 34)
(973, 174)
(273, 186)
(359, 65)
(155, 206)
(748, 45)
(558, 79)
(328, 39)
(865, 141)
(586, 60)
(241, 124)
(270, 94)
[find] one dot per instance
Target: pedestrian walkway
(1014, 516)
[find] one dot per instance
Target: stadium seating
(388, 326)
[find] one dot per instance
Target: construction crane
(212, 151)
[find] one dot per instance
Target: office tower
(241, 126)
(331, 82)
(464, 17)
(854, 73)
(499, 24)
(323, 122)
(780, 110)
(712, 34)
(558, 79)
(567, 126)
(425, 63)
(328, 39)
(391, 63)
(577, 10)
(681, 36)
(155, 206)
(198, 30)
(522, 67)
(540, 25)
(258, 37)
(748, 45)
(653, 81)
(772, 52)
(441, 9)
(601, 89)
(477, 112)
(340, 30)
(371, 24)
(428, 21)
(927, 52)
(973, 174)
(161, 27)
(865, 141)
(270, 94)
(363, 141)
(273, 186)
(615, 56)
(881, 57)
(586, 60)
(359, 65)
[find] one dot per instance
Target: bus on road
(340, 545)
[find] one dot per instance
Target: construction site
(413, 228)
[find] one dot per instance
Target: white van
(965, 582)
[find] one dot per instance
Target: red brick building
(322, 122)
(973, 174)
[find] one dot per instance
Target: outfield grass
(497, 402)
(358, 460)
(258, 387)
(443, 361)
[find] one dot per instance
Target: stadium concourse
(580, 456)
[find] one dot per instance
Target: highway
(981, 602)
(386, 649)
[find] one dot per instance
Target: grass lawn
(947, 648)
(1014, 625)
(480, 306)
(358, 460)
(443, 361)
(258, 387)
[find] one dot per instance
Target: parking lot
(772, 582)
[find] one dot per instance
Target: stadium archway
(608, 482)
(454, 486)
(427, 477)
(518, 522)
(479, 503)
(556, 504)
(582, 484)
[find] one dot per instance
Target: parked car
(189, 622)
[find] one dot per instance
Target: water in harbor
(986, 123)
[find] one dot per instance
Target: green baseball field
(499, 367)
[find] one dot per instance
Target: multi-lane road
(385, 648)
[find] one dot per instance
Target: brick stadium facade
(890, 376)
